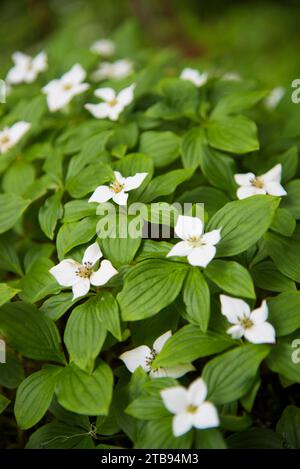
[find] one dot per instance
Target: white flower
(113, 103)
(268, 183)
(143, 356)
(190, 407)
(104, 47)
(10, 136)
(273, 99)
(80, 277)
(117, 190)
(26, 68)
(231, 76)
(61, 90)
(190, 74)
(199, 248)
(252, 325)
(113, 71)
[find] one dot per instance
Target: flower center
(29, 66)
(113, 102)
(257, 182)
(195, 241)
(192, 408)
(116, 186)
(245, 322)
(149, 360)
(85, 270)
(67, 86)
(4, 139)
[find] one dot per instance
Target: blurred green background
(258, 39)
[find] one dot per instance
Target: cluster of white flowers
(189, 406)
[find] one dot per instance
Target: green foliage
(63, 374)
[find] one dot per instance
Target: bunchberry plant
(131, 341)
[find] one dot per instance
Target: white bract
(70, 273)
(252, 325)
(62, 90)
(190, 407)
(113, 104)
(274, 98)
(144, 356)
(231, 76)
(103, 47)
(268, 183)
(113, 71)
(10, 136)
(26, 68)
(197, 78)
(117, 190)
(198, 247)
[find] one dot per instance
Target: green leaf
(180, 98)
(236, 134)
(147, 408)
(243, 223)
(3, 403)
(283, 222)
(18, 177)
(256, 438)
(197, 299)
(78, 209)
(92, 148)
(284, 312)
(285, 253)
(59, 435)
(107, 311)
(289, 426)
(189, 344)
(84, 335)
(55, 306)
(218, 168)
(214, 198)
(231, 277)
(292, 200)
(165, 184)
(192, 146)
(90, 177)
(50, 213)
(163, 147)
(289, 162)
(7, 293)
(284, 358)
(210, 438)
(9, 259)
(157, 434)
(11, 371)
(236, 102)
(38, 282)
(29, 332)
(149, 287)
(71, 235)
(229, 376)
(12, 207)
(267, 276)
(120, 241)
(34, 396)
(83, 393)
